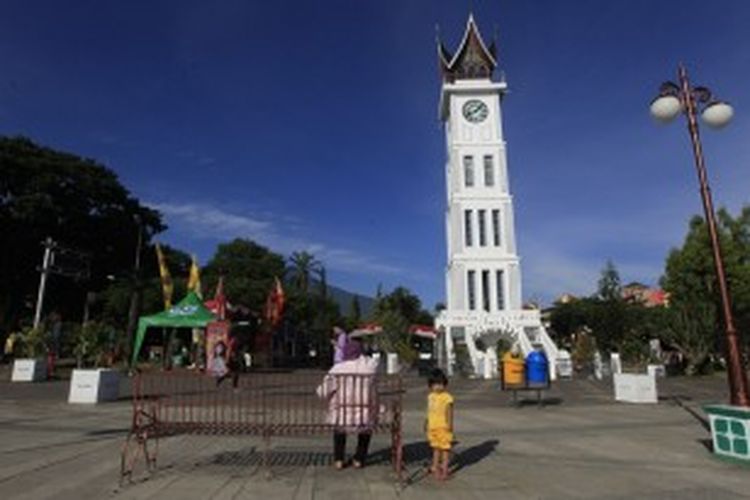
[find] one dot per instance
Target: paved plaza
(579, 445)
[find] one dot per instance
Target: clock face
(475, 111)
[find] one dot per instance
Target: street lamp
(674, 99)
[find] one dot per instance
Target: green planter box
(730, 431)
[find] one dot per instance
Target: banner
(167, 286)
(275, 304)
(218, 348)
(194, 280)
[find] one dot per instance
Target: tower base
(467, 340)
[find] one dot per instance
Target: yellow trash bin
(513, 367)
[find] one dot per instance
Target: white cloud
(205, 221)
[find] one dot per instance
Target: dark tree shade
(80, 204)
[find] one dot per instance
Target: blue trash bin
(536, 368)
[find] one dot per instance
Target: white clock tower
(483, 275)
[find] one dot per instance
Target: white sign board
(94, 386)
(635, 388)
(28, 370)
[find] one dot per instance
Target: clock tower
(483, 273)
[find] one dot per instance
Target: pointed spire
(472, 59)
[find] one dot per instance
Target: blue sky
(313, 125)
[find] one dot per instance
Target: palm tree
(303, 264)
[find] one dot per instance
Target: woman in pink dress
(352, 405)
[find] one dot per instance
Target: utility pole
(49, 246)
(135, 297)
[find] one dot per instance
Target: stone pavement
(581, 445)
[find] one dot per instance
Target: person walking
(352, 406)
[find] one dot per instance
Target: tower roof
(472, 59)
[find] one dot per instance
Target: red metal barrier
(261, 404)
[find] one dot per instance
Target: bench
(171, 403)
(525, 386)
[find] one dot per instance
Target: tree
(607, 312)
(402, 301)
(249, 271)
(690, 279)
(570, 318)
(302, 266)
(78, 202)
(115, 299)
(609, 287)
(355, 313)
(397, 312)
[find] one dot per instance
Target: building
(648, 296)
(483, 274)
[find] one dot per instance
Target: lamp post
(679, 98)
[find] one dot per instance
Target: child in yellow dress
(439, 423)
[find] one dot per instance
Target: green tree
(355, 314)
(690, 279)
(569, 318)
(78, 202)
(114, 300)
(303, 265)
(609, 287)
(249, 271)
(396, 312)
(608, 311)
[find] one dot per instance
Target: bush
(91, 342)
(33, 342)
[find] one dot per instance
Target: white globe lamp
(717, 115)
(665, 108)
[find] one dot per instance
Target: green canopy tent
(188, 313)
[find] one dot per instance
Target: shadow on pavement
(419, 454)
(707, 443)
(693, 413)
(473, 455)
(541, 403)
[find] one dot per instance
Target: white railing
(551, 350)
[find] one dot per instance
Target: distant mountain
(344, 300)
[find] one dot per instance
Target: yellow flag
(167, 286)
(194, 281)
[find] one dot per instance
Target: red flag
(275, 303)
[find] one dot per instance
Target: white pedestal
(598, 373)
(29, 370)
(94, 386)
(635, 388)
(564, 364)
(615, 363)
(490, 367)
(392, 363)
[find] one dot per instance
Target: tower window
(489, 171)
(496, 227)
(486, 290)
(500, 286)
(471, 283)
(467, 228)
(482, 230)
(469, 171)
